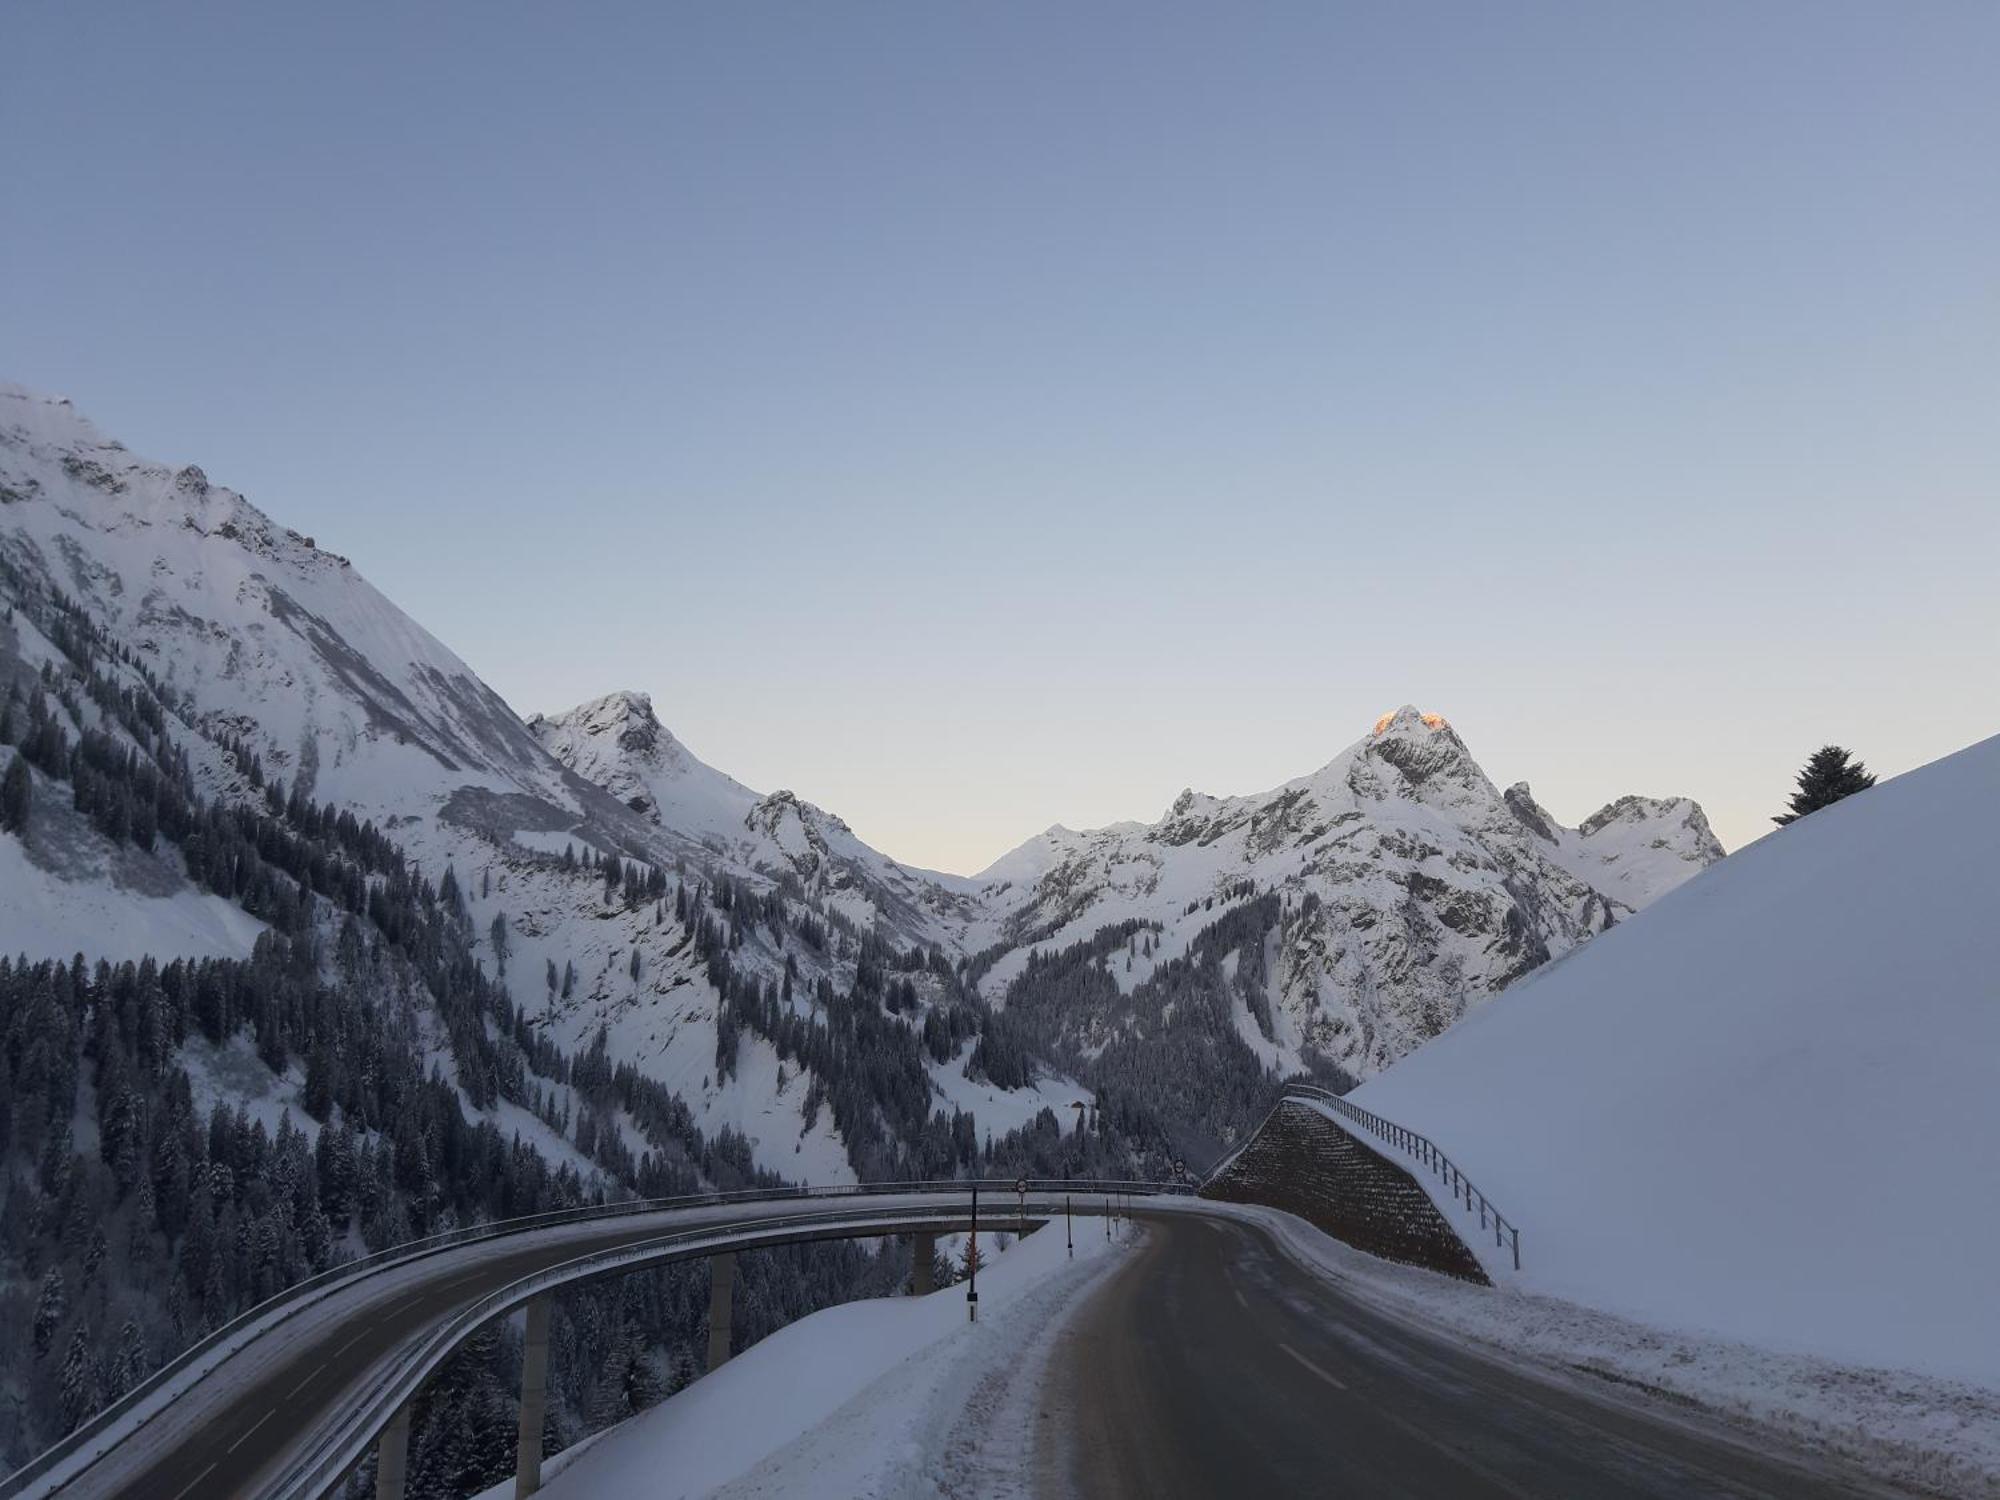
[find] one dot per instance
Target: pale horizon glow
(977, 418)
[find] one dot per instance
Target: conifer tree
(49, 1309)
(1829, 775)
(15, 792)
(77, 1387)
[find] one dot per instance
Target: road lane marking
(302, 1385)
(192, 1483)
(350, 1343)
(1333, 1380)
(1240, 1299)
(252, 1428)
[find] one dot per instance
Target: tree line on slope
(132, 1223)
(363, 953)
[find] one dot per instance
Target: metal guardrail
(336, 1451)
(1421, 1149)
(102, 1430)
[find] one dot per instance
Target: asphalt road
(235, 1446)
(1214, 1365)
(238, 1429)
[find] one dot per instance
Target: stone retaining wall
(1304, 1163)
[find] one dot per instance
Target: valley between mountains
(1329, 925)
(315, 945)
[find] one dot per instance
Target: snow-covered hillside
(264, 641)
(1340, 919)
(1769, 1108)
(1412, 891)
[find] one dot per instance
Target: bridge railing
(152, 1395)
(335, 1450)
(1424, 1151)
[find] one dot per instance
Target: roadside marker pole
(972, 1261)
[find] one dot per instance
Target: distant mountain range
(1330, 925)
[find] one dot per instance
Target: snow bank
(884, 1396)
(1768, 1108)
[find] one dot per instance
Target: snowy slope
(263, 637)
(260, 629)
(1769, 1108)
(1413, 889)
(1634, 850)
(118, 905)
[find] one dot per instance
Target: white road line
(1333, 1380)
(350, 1343)
(302, 1385)
(1240, 1301)
(253, 1427)
(192, 1483)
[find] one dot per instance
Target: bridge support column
(392, 1456)
(721, 1283)
(534, 1400)
(922, 1254)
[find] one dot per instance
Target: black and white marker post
(972, 1261)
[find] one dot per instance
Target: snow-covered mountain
(619, 744)
(270, 645)
(1389, 891)
(273, 653)
(1411, 890)
(1769, 1106)
(1635, 850)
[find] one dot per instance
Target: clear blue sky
(973, 416)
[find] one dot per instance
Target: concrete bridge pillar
(534, 1400)
(924, 1252)
(721, 1283)
(392, 1456)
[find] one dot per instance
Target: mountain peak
(619, 726)
(1421, 746)
(1408, 720)
(618, 742)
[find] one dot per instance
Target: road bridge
(284, 1402)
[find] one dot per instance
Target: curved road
(237, 1431)
(1213, 1364)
